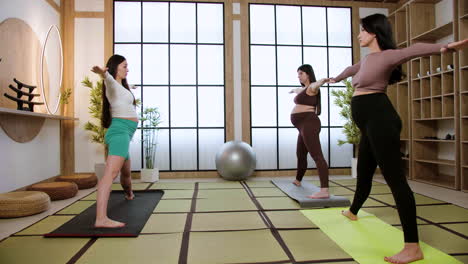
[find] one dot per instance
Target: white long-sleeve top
(120, 99)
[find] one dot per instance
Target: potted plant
(64, 100)
(350, 129)
(97, 132)
(150, 120)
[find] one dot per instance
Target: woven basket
(84, 181)
(17, 204)
(56, 190)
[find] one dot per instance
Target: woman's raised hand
(99, 70)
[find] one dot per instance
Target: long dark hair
(310, 72)
(379, 25)
(112, 65)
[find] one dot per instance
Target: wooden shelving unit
(463, 94)
(399, 93)
(433, 99)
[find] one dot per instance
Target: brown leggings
(308, 141)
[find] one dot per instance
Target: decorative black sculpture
(20, 93)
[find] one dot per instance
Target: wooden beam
(229, 71)
(108, 29)
(83, 14)
(67, 127)
(54, 5)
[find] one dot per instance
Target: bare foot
(411, 252)
(350, 215)
(129, 197)
(108, 223)
(297, 183)
(320, 195)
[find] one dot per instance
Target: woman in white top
(120, 117)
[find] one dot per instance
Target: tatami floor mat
(77, 207)
(178, 194)
(161, 248)
(220, 185)
(289, 219)
(258, 184)
(227, 221)
(376, 189)
(262, 192)
(352, 182)
(234, 247)
(442, 239)
(173, 186)
(461, 228)
(173, 206)
(46, 225)
(39, 250)
(135, 186)
(443, 213)
(165, 223)
(389, 215)
(223, 194)
(339, 191)
(420, 199)
(368, 203)
(234, 204)
(312, 245)
(271, 203)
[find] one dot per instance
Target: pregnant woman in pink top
(305, 118)
(380, 124)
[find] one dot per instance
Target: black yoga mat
(134, 213)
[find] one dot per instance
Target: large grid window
(176, 56)
(282, 38)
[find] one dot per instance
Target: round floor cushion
(56, 190)
(17, 204)
(84, 181)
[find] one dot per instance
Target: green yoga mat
(369, 239)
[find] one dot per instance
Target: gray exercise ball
(235, 160)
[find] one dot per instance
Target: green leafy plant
(65, 96)
(150, 120)
(343, 100)
(95, 109)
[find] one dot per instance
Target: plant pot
(149, 175)
(354, 167)
(99, 169)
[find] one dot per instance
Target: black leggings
(380, 128)
(308, 141)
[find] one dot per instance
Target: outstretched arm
(349, 71)
(100, 71)
(313, 88)
(400, 56)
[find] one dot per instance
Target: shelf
(440, 162)
(404, 139)
(465, 16)
(464, 92)
(464, 117)
(404, 158)
(436, 33)
(435, 140)
(464, 67)
(10, 111)
(434, 119)
(402, 44)
(446, 183)
(403, 82)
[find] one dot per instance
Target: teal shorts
(119, 135)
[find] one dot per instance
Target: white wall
(26, 163)
(363, 12)
(89, 51)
